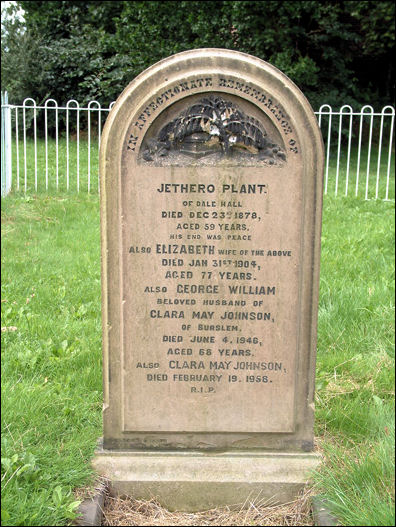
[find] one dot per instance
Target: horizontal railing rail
(54, 147)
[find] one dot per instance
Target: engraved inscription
(195, 85)
(216, 304)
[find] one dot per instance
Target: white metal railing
(365, 115)
(6, 174)
(359, 148)
(32, 150)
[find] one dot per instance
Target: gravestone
(211, 194)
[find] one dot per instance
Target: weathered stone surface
(211, 186)
(193, 481)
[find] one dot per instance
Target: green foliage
(336, 52)
(21, 51)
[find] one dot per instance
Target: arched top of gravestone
(211, 107)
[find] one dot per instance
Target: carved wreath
(213, 125)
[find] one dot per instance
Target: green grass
(51, 362)
(355, 366)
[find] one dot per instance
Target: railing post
(6, 152)
(326, 109)
(90, 109)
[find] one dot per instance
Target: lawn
(355, 365)
(51, 356)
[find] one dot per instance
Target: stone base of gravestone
(194, 481)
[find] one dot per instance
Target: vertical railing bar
(24, 141)
(359, 151)
(57, 146)
(108, 110)
(6, 145)
(330, 110)
(90, 109)
(328, 150)
(46, 107)
(35, 145)
(24, 147)
(338, 153)
(390, 150)
(379, 157)
(3, 145)
(9, 153)
(320, 119)
(24, 106)
(46, 145)
(77, 108)
(99, 137)
(89, 148)
(99, 127)
(17, 144)
(369, 150)
(349, 146)
(67, 147)
(78, 149)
